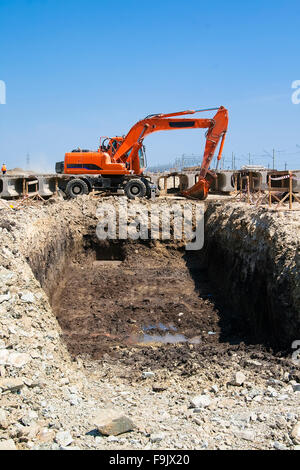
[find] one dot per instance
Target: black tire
(76, 187)
(148, 187)
(135, 188)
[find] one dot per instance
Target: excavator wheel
(135, 188)
(76, 187)
(148, 187)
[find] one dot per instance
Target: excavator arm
(127, 152)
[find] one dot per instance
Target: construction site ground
(140, 327)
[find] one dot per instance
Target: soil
(146, 307)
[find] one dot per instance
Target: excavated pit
(143, 303)
(122, 296)
(153, 303)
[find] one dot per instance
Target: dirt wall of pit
(34, 361)
(252, 255)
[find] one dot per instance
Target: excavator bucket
(201, 188)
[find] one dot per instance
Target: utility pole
(27, 161)
(273, 159)
(249, 159)
(285, 165)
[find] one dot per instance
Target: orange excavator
(119, 162)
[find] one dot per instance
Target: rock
(257, 398)
(197, 421)
(4, 353)
(63, 438)
(64, 381)
(147, 374)
(247, 435)
(197, 410)
(226, 403)
(200, 401)
(295, 434)
(112, 439)
(99, 440)
(157, 437)
(32, 384)
(291, 417)
(5, 297)
(112, 422)
(261, 417)
(29, 418)
(28, 298)
(159, 387)
(70, 448)
(273, 381)
(296, 388)
(11, 384)
(252, 362)
(242, 417)
(16, 359)
(238, 379)
(278, 446)
(283, 397)
(74, 400)
(46, 435)
(3, 419)
(7, 445)
(26, 433)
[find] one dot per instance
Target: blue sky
(75, 70)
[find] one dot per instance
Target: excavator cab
(104, 145)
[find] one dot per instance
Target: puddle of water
(159, 326)
(167, 338)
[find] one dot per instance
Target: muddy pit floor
(146, 307)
